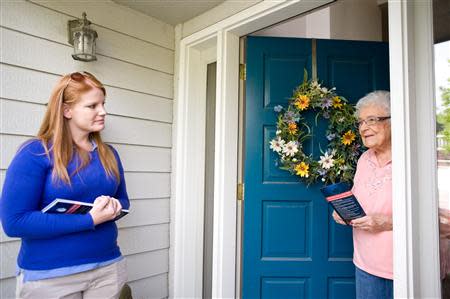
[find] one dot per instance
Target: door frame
(414, 170)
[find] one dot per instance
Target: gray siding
(135, 62)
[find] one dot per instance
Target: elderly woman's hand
(338, 219)
(373, 223)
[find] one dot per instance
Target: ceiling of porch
(171, 11)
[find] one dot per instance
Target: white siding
(135, 62)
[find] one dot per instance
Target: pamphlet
(67, 206)
(343, 201)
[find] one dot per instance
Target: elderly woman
(372, 234)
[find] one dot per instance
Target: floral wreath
(338, 162)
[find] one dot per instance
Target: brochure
(67, 206)
(343, 201)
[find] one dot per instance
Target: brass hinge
(242, 71)
(240, 191)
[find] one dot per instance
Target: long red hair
(55, 134)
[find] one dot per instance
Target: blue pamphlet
(343, 201)
(67, 206)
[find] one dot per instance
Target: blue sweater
(52, 241)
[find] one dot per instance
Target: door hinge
(243, 71)
(240, 191)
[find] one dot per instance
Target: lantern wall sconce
(82, 38)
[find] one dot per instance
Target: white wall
(135, 62)
(343, 19)
(311, 25)
(356, 20)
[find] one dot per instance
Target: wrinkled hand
(444, 223)
(338, 218)
(373, 223)
(105, 209)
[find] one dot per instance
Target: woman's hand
(338, 218)
(116, 205)
(104, 209)
(373, 223)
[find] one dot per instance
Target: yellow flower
(348, 137)
(302, 169)
(302, 102)
(292, 127)
(337, 103)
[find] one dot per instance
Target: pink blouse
(373, 189)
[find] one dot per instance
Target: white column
(225, 172)
(187, 206)
(415, 204)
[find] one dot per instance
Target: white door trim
(188, 148)
(415, 204)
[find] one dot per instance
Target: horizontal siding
(9, 145)
(139, 185)
(143, 212)
(138, 239)
(23, 118)
(16, 84)
(9, 253)
(8, 288)
(40, 54)
(144, 158)
(42, 22)
(120, 101)
(156, 236)
(150, 288)
(135, 63)
(146, 212)
(107, 14)
(154, 287)
(143, 264)
(148, 185)
(134, 158)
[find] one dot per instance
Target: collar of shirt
(373, 159)
(94, 145)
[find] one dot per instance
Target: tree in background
(443, 117)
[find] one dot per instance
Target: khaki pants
(101, 283)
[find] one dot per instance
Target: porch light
(82, 38)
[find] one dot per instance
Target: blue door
(292, 248)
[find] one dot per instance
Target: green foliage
(338, 162)
(443, 118)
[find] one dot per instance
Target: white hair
(380, 98)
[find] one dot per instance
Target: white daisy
(277, 144)
(290, 148)
(326, 161)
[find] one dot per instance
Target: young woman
(67, 255)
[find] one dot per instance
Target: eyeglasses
(76, 76)
(372, 120)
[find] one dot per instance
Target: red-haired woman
(67, 255)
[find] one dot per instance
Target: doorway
(225, 35)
